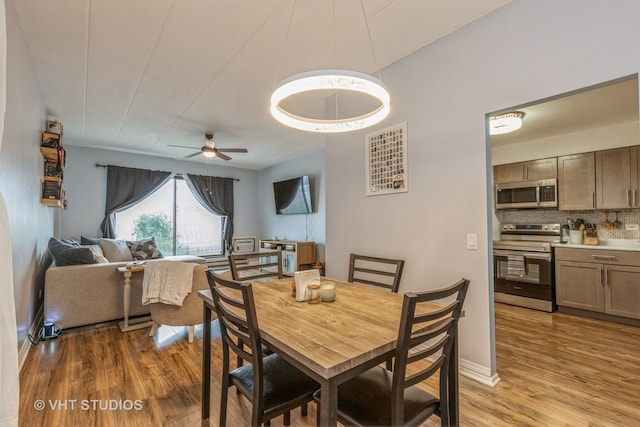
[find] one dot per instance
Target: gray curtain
(216, 195)
(125, 188)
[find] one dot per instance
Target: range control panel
(531, 229)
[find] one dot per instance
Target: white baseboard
(477, 372)
(34, 331)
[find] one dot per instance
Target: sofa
(86, 294)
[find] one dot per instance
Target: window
(179, 223)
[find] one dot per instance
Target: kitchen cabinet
(296, 256)
(603, 281)
(576, 182)
(617, 178)
(526, 171)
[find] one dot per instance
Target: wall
(294, 227)
(21, 167)
(622, 135)
(86, 186)
(525, 51)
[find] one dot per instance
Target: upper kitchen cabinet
(576, 182)
(617, 178)
(526, 171)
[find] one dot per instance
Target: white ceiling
(606, 104)
(136, 76)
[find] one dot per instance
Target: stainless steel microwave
(542, 193)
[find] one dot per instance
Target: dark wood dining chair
(383, 272)
(382, 398)
(256, 266)
(272, 385)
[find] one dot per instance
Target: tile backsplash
(535, 216)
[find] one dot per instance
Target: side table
(138, 323)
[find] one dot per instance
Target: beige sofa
(85, 294)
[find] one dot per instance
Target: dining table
(331, 342)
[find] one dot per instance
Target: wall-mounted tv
(293, 196)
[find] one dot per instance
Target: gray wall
(526, 51)
(21, 167)
(295, 227)
(86, 186)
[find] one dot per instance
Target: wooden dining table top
(328, 338)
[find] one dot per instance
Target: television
(293, 196)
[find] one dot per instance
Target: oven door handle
(545, 256)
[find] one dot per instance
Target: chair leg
(154, 327)
(287, 418)
(304, 409)
(191, 331)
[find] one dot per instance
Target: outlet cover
(632, 227)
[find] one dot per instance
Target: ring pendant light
(337, 81)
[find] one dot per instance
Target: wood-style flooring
(556, 370)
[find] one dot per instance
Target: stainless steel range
(523, 265)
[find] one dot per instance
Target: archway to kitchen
(562, 127)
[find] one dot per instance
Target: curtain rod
(98, 165)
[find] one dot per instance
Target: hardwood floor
(556, 370)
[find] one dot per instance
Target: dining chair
(272, 385)
(383, 272)
(256, 266)
(382, 398)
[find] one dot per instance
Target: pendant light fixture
(338, 81)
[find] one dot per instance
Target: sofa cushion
(65, 253)
(116, 250)
(144, 249)
(97, 252)
(89, 240)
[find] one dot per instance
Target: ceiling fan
(209, 149)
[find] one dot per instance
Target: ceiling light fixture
(208, 151)
(505, 123)
(338, 81)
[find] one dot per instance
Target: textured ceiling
(607, 104)
(137, 76)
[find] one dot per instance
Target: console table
(138, 323)
(295, 255)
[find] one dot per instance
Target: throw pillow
(116, 250)
(65, 253)
(144, 249)
(89, 240)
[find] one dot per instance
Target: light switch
(472, 241)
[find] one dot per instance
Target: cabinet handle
(635, 203)
(602, 277)
(593, 200)
(629, 198)
(607, 257)
(517, 288)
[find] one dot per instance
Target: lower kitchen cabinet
(602, 281)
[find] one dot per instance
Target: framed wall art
(386, 157)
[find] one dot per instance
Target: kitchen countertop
(608, 244)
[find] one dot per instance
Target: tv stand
(296, 256)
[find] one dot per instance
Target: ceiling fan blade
(181, 146)
(233, 150)
(222, 156)
(192, 155)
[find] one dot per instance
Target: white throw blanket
(168, 282)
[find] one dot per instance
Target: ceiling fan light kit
(505, 123)
(209, 149)
(338, 80)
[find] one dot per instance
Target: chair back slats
(234, 305)
(422, 336)
(256, 266)
(383, 272)
(425, 373)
